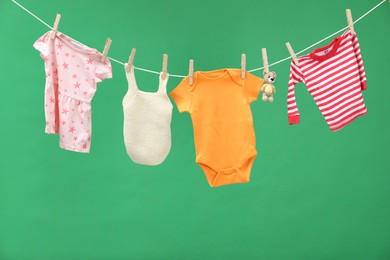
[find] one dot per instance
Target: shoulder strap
(162, 87)
(132, 84)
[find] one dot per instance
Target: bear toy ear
(264, 72)
(274, 73)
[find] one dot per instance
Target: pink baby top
(335, 77)
(72, 71)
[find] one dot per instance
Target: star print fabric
(72, 71)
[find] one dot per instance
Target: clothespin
(55, 27)
(165, 65)
(106, 49)
(265, 60)
(131, 59)
(243, 65)
(350, 21)
(293, 56)
(191, 72)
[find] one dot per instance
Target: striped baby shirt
(334, 75)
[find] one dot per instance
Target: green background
(313, 194)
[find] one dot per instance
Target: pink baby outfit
(72, 71)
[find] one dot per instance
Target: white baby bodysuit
(147, 122)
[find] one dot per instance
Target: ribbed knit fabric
(147, 122)
(335, 77)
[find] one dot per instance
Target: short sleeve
(182, 96)
(43, 45)
(252, 87)
(103, 70)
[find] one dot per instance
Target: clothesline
(256, 69)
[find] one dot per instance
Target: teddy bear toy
(268, 87)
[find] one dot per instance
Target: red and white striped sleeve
(362, 73)
(292, 108)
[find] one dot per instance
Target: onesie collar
(234, 74)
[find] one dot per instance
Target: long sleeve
(362, 73)
(292, 108)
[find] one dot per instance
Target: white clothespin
(191, 72)
(165, 65)
(292, 54)
(350, 21)
(55, 27)
(131, 59)
(243, 65)
(106, 49)
(265, 60)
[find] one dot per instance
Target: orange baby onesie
(219, 104)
